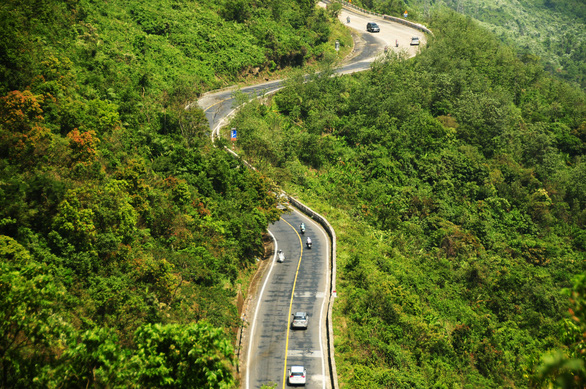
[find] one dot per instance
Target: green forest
(456, 183)
(552, 30)
(125, 236)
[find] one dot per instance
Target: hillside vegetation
(124, 235)
(553, 30)
(456, 184)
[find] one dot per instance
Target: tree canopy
(455, 183)
(125, 236)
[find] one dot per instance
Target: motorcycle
(308, 243)
(348, 19)
(280, 256)
(302, 228)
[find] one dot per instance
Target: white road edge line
(250, 342)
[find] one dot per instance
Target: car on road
(414, 41)
(297, 375)
(300, 320)
(372, 27)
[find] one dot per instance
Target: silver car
(414, 41)
(300, 320)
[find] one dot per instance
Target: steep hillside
(125, 237)
(553, 30)
(455, 182)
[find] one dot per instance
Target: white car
(297, 375)
(414, 41)
(280, 256)
(300, 320)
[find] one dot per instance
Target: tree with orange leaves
(83, 145)
(23, 138)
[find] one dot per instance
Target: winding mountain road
(301, 282)
(219, 105)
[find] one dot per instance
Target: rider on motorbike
(302, 228)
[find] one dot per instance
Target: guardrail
(395, 19)
(363, 10)
(332, 295)
(320, 219)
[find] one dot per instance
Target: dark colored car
(372, 27)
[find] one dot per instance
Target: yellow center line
(219, 102)
(291, 304)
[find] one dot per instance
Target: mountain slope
(553, 30)
(454, 181)
(126, 238)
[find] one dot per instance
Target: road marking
(323, 303)
(251, 343)
(219, 102)
(317, 295)
(291, 303)
(305, 353)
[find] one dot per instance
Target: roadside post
(337, 45)
(233, 135)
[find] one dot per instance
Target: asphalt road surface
(297, 284)
(219, 105)
(300, 283)
(390, 33)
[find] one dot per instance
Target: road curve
(301, 282)
(218, 106)
(298, 284)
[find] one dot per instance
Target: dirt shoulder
(250, 303)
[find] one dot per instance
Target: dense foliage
(124, 235)
(456, 184)
(553, 30)
(388, 7)
(167, 47)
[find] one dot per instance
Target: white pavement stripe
(262, 290)
(317, 295)
(304, 353)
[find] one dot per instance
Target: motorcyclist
(308, 242)
(302, 228)
(348, 19)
